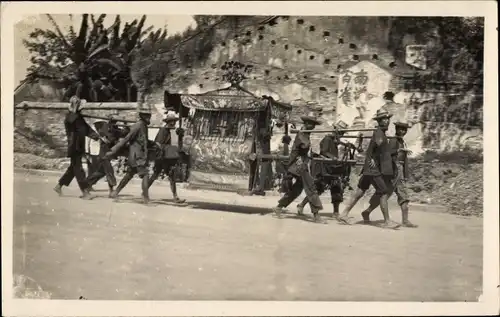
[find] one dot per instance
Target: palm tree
(82, 60)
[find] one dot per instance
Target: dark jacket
(164, 139)
(77, 130)
(379, 151)
(300, 149)
(113, 133)
(137, 138)
(329, 146)
(399, 157)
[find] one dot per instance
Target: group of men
(385, 168)
(116, 141)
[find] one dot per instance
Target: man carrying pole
(377, 171)
(399, 153)
(298, 169)
(169, 157)
(329, 174)
(77, 129)
(138, 153)
(112, 133)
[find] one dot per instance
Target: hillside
(294, 59)
(304, 60)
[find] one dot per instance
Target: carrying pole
(332, 130)
(120, 122)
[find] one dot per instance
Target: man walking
(112, 133)
(77, 130)
(138, 153)
(399, 153)
(169, 158)
(298, 169)
(329, 174)
(377, 171)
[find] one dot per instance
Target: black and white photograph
(167, 154)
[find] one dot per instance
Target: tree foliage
(188, 49)
(457, 45)
(148, 69)
(160, 54)
(84, 60)
(455, 58)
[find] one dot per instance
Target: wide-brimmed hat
(381, 114)
(311, 118)
(341, 125)
(402, 124)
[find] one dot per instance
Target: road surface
(108, 250)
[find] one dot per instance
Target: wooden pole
(106, 118)
(118, 121)
(277, 157)
(331, 130)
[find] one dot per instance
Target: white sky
(174, 23)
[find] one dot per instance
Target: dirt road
(101, 249)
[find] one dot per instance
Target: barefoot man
(138, 153)
(298, 169)
(169, 156)
(377, 171)
(399, 153)
(111, 132)
(329, 174)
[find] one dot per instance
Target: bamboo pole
(107, 119)
(362, 137)
(118, 120)
(332, 130)
(277, 157)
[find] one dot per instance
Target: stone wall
(39, 126)
(39, 129)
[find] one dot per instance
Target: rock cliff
(333, 66)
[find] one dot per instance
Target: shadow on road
(233, 208)
(229, 208)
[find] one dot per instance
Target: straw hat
(311, 117)
(381, 114)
